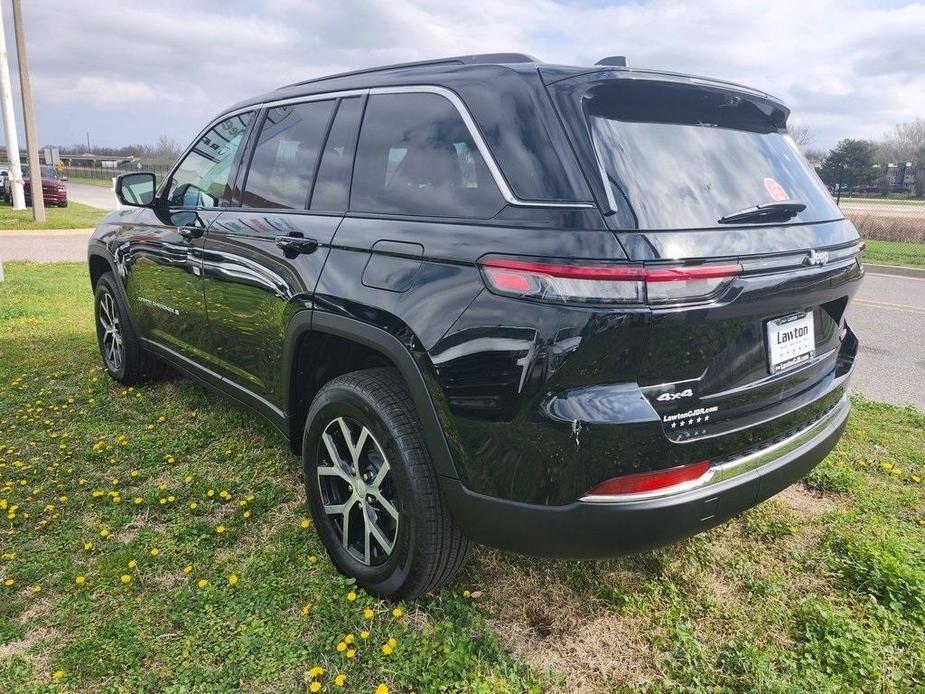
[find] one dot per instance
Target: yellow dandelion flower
(312, 558)
(57, 675)
(364, 634)
(315, 671)
(351, 596)
(350, 653)
(188, 569)
(368, 614)
(315, 686)
(387, 648)
(397, 612)
(896, 471)
(155, 551)
(306, 608)
(36, 589)
(210, 492)
(466, 594)
(246, 514)
(232, 580)
(125, 578)
(132, 564)
(340, 680)
(348, 639)
(193, 505)
(104, 533)
(88, 546)
(202, 583)
(80, 580)
(341, 647)
(382, 688)
(921, 521)
(137, 500)
(9, 582)
(392, 642)
(886, 466)
(220, 529)
(305, 523)
(917, 479)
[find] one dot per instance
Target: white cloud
(846, 69)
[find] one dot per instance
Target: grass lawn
(821, 589)
(74, 216)
(894, 253)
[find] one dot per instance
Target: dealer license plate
(791, 341)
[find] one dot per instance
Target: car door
(263, 257)
(162, 251)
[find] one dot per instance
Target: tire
(427, 549)
(129, 363)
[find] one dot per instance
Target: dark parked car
(565, 311)
(54, 192)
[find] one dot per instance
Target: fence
(100, 173)
(891, 218)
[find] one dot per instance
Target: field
(74, 216)
(154, 539)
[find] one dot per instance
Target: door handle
(190, 233)
(294, 245)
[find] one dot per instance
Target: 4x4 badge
(817, 257)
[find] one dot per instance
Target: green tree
(850, 163)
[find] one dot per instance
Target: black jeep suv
(565, 311)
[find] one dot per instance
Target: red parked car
(54, 192)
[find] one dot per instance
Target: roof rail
(613, 61)
(477, 59)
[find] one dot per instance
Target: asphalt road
(95, 196)
(888, 315)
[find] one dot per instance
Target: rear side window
(332, 186)
(417, 157)
(681, 157)
(202, 176)
(286, 154)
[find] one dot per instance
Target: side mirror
(136, 189)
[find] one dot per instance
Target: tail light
(658, 482)
(604, 284)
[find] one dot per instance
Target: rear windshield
(682, 157)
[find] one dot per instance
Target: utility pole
(14, 178)
(32, 145)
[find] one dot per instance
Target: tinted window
(680, 157)
(333, 183)
(201, 178)
(286, 154)
(416, 156)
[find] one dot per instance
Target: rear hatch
(698, 174)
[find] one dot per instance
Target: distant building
(103, 161)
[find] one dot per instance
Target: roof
(478, 66)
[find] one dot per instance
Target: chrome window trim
(738, 466)
(448, 94)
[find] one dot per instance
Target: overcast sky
(129, 71)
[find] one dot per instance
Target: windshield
(682, 157)
(48, 172)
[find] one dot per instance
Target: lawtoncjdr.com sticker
(691, 417)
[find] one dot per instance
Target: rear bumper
(598, 529)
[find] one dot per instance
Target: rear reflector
(659, 480)
(597, 284)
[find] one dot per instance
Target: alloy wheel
(113, 348)
(357, 490)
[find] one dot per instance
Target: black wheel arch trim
(98, 249)
(315, 321)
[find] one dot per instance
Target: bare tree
(801, 135)
(166, 148)
(905, 142)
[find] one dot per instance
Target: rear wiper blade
(781, 210)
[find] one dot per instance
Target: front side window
(417, 157)
(284, 161)
(202, 176)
